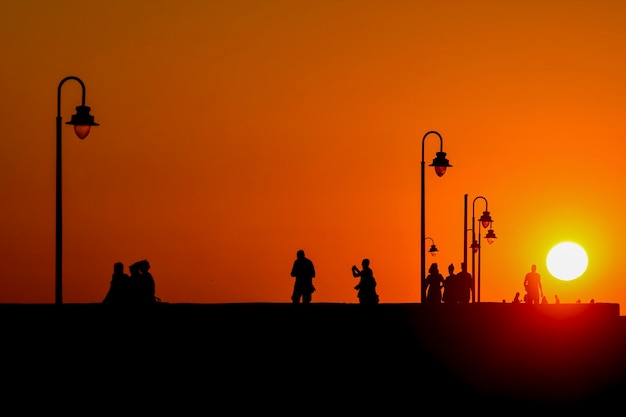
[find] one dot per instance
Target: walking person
(532, 284)
(434, 284)
(450, 287)
(367, 284)
(303, 271)
(465, 284)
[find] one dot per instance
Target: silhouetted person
(135, 283)
(142, 282)
(516, 300)
(450, 287)
(592, 301)
(119, 289)
(532, 284)
(465, 284)
(556, 299)
(303, 271)
(434, 284)
(544, 300)
(147, 290)
(367, 284)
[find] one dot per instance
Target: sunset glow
(232, 134)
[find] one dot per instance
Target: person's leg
(295, 296)
(306, 298)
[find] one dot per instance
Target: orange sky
(233, 134)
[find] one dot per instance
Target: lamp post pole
(465, 229)
(82, 122)
(440, 163)
(480, 250)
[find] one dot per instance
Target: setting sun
(567, 261)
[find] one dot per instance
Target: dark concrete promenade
(334, 357)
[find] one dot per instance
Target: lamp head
(485, 219)
(475, 246)
(440, 163)
(82, 121)
(433, 250)
(490, 236)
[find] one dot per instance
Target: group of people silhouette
(303, 270)
(134, 289)
(455, 288)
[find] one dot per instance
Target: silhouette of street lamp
(433, 249)
(490, 236)
(82, 122)
(484, 221)
(440, 163)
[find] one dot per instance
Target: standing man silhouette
(450, 287)
(465, 283)
(532, 284)
(303, 271)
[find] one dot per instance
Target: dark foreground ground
(228, 359)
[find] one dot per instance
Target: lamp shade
(82, 121)
(485, 219)
(440, 163)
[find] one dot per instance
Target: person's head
(533, 268)
(365, 263)
(434, 267)
(143, 265)
(118, 268)
(451, 268)
(300, 254)
(463, 266)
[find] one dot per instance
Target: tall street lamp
(82, 122)
(440, 163)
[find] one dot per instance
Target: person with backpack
(303, 271)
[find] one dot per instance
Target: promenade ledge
(487, 354)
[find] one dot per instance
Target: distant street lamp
(433, 249)
(82, 122)
(484, 221)
(490, 236)
(440, 163)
